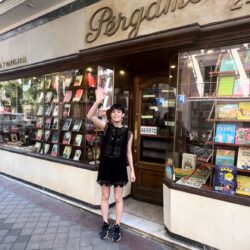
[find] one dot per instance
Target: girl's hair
(117, 106)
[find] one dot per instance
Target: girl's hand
(132, 176)
(99, 94)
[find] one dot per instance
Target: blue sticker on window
(182, 99)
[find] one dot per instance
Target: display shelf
(227, 120)
(227, 144)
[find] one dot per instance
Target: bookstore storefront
(185, 86)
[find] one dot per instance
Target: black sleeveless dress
(113, 161)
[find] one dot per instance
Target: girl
(116, 154)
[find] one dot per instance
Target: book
(226, 85)
(46, 148)
(48, 110)
(66, 110)
(67, 81)
(48, 121)
(77, 125)
(78, 140)
(67, 152)
(226, 111)
(48, 83)
(227, 64)
(67, 96)
(243, 161)
(39, 134)
(66, 124)
(225, 133)
(77, 155)
(238, 88)
(46, 135)
(55, 82)
(54, 150)
(189, 181)
(91, 80)
(225, 179)
(188, 161)
(243, 111)
(55, 137)
(55, 98)
(13, 137)
(242, 136)
(39, 122)
(48, 96)
(55, 124)
(39, 97)
(56, 110)
(40, 110)
(243, 185)
(66, 138)
(78, 95)
(225, 157)
(78, 80)
(37, 147)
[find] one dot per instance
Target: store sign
(13, 63)
(182, 99)
(105, 22)
(146, 130)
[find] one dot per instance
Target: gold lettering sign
(238, 4)
(105, 22)
(13, 62)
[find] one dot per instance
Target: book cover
(77, 125)
(67, 81)
(238, 88)
(226, 86)
(48, 110)
(243, 161)
(46, 148)
(66, 110)
(225, 133)
(78, 95)
(55, 82)
(66, 138)
(39, 122)
(13, 137)
(188, 161)
(78, 140)
(91, 80)
(78, 80)
(56, 110)
(48, 121)
(40, 110)
(67, 152)
(55, 98)
(46, 135)
(48, 83)
(67, 96)
(243, 111)
(55, 124)
(225, 157)
(54, 151)
(225, 179)
(37, 147)
(77, 155)
(55, 137)
(226, 111)
(188, 181)
(227, 64)
(242, 136)
(243, 185)
(40, 97)
(48, 97)
(39, 134)
(66, 124)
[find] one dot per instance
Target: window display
(46, 115)
(214, 109)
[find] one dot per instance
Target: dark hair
(117, 106)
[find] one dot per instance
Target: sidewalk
(32, 220)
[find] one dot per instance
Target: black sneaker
(104, 232)
(116, 233)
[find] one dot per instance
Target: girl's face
(116, 115)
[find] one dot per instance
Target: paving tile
(47, 244)
(5, 246)
(14, 232)
(33, 245)
(23, 238)
(49, 236)
(19, 246)
(9, 239)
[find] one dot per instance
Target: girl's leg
(105, 202)
(118, 204)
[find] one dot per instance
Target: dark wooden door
(153, 135)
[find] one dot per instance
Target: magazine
(37, 147)
(40, 97)
(226, 86)
(243, 185)
(67, 81)
(54, 150)
(225, 157)
(55, 124)
(48, 110)
(55, 137)
(244, 111)
(225, 133)
(243, 161)
(48, 97)
(66, 138)
(66, 124)
(188, 161)
(225, 179)
(78, 80)
(48, 122)
(77, 125)
(78, 95)
(46, 135)
(48, 83)
(67, 152)
(46, 148)
(39, 134)
(40, 110)
(39, 122)
(67, 96)
(66, 110)
(78, 140)
(242, 136)
(91, 80)
(77, 155)
(56, 110)
(227, 111)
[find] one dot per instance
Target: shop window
(213, 110)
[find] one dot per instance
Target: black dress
(113, 161)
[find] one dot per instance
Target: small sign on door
(148, 130)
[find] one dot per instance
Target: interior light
(172, 66)
(122, 72)
(170, 76)
(190, 65)
(89, 69)
(1, 1)
(210, 51)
